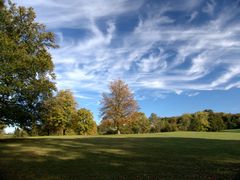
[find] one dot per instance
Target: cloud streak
(177, 47)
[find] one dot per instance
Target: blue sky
(177, 56)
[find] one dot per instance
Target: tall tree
(119, 104)
(59, 112)
(26, 73)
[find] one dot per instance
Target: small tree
(83, 122)
(119, 104)
(58, 112)
(139, 123)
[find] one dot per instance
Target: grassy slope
(181, 155)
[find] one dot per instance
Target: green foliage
(184, 122)
(215, 122)
(199, 122)
(232, 121)
(26, 73)
(206, 120)
(58, 112)
(136, 123)
(83, 122)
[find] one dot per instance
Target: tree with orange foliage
(119, 104)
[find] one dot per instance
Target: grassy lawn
(175, 155)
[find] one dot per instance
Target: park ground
(172, 155)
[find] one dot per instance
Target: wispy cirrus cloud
(160, 46)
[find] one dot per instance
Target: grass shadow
(119, 158)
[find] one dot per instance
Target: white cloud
(75, 14)
(209, 8)
(152, 63)
(193, 16)
(178, 91)
(188, 53)
(83, 97)
(232, 72)
(236, 85)
(193, 94)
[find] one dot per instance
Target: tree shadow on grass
(232, 130)
(119, 158)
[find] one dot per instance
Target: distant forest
(206, 120)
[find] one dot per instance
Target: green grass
(176, 155)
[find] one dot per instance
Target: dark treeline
(206, 120)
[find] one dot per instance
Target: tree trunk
(118, 131)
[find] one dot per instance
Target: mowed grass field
(174, 155)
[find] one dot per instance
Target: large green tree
(119, 104)
(26, 73)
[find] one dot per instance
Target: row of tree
(206, 120)
(60, 116)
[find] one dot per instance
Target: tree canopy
(58, 112)
(83, 122)
(26, 73)
(119, 104)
